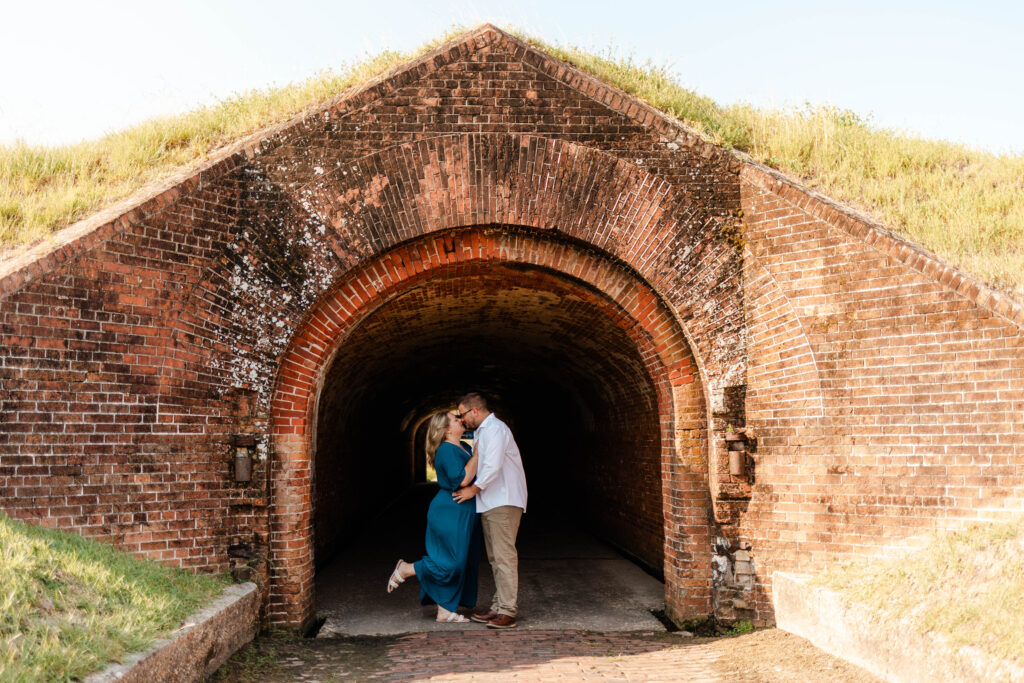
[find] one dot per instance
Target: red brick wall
(886, 402)
(92, 438)
(621, 475)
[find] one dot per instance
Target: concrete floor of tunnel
(568, 579)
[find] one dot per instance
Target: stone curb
(886, 648)
(198, 648)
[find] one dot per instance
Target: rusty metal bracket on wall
(740, 444)
(244, 445)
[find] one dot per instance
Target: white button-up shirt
(499, 471)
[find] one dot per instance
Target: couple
(497, 498)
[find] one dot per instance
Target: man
(500, 491)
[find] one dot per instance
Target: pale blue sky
(73, 70)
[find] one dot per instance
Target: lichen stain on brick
(280, 265)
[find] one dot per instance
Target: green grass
(254, 661)
(743, 626)
(964, 204)
(44, 188)
(966, 586)
(69, 606)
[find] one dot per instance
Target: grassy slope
(69, 605)
(963, 204)
(967, 587)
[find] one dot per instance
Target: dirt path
(482, 655)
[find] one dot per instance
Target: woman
(448, 572)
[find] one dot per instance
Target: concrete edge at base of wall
(885, 647)
(193, 652)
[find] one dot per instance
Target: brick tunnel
(595, 377)
(558, 368)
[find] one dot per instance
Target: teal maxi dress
(448, 572)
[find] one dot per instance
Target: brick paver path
(544, 656)
(481, 655)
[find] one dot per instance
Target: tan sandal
(396, 579)
(453, 618)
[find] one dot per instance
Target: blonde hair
(435, 434)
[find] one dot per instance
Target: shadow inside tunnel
(568, 579)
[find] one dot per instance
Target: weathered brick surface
(489, 217)
(886, 403)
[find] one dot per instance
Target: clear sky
(952, 70)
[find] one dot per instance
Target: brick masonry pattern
(884, 388)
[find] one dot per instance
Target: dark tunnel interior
(556, 366)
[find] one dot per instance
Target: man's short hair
(473, 400)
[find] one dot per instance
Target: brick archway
(627, 301)
(346, 214)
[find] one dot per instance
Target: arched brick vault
(312, 234)
(470, 258)
(358, 209)
(290, 243)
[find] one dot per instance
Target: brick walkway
(543, 656)
(480, 655)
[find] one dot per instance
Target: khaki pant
(500, 526)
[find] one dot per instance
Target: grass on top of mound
(965, 586)
(45, 188)
(69, 605)
(964, 204)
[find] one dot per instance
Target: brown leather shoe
(502, 621)
(482, 616)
